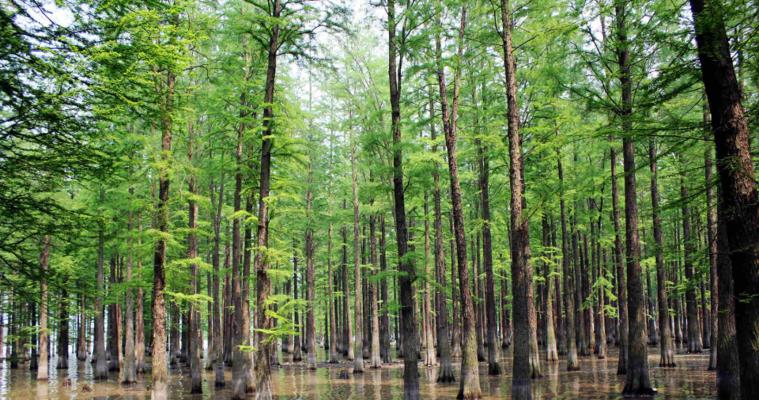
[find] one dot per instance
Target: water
(597, 379)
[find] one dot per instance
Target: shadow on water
(597, 379)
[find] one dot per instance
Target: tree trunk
(737, 180)
(694, 331)
(667, 350)
(139, 320)
(216, 352)
(569, 302)
(728, 363)
(310, 296)
(406, 280)
(358, 344)
(384, 318)
(81, 336)
(470, 381)
(42, 372)
(129, 372)
(160, 372)
(622, 326)
(711, 241)
(519, 240)
(263, 283)
(637, 379)
(297, 339)
(101, 365)
(375, 360)
(430, 358)
(333, 353)
(192, 254)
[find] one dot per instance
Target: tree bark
(470, 381)
(263, 283)
(42, 366)
(192, 253)
(737, 180)
(521, 271)
(406, 280)
(101, 365)
(358, 344)
(728, 362)
(569, 301)
(375, 360)
(666, 348)
(129, 372)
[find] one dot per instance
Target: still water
(597, 379)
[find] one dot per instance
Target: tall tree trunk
(63, 332)
(637, 379)
(347, 327)
(129, 372)
(216, 345)
(521, 271)
(42, 372)
(667, 350)
(622, 326)
(550, 333)
(384, 318)
(728, 363)
(569, 301)
(737, 180)
(711, 241)
(160, 372)
(494, 368)
(238, 357)
(430, 358)
(445, 372)
(470, 381)
(375, 360)
(139, 319)
(358, 344)
(101, 365)
(694, 330)
(298, 338)
(263, 283)
(192, 254)
(406, 280)
(310, 296)
(333, 352)
(81, 335)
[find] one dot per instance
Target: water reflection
(597, 379)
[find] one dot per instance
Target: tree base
(638, 392)
(494, 368)
(446, 374)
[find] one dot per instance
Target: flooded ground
(597, 379)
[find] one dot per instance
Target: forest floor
(597, 379)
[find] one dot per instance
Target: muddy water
(597, 379)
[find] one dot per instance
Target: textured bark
(666, 347)
(375, 360)
(737, 181)
(62, 349)
(622, 326)
(694, 330)
(216, 352)
(430, 357)
(42, 366)
(728, 363)
(297, 355)
(310, 323)
(470, 382)
(384, 318)
(101, 364)
(129, 372)
(160, 372)
(406, 280)
(347, 327)
(637, 380)
(358, 344)
(569, 302)
(519, 240)
(81, 336)
(139, 319)
(711, 241)
(550, 333)
(195, 345)
(333, 351)
(263, 283)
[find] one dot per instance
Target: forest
(379, 199)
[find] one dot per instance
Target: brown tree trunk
(737, 180)
(569, 301)
(430, 359)
(297, 355)
(263, 283)
(384, 318)
(521, 271)
(160, 372)
(406, 280)
(728, 363)
(42, 372)
(195, 347)
(216, 344)
(694, 331)
(711, 241)
(358, 343)
(63, 332)
(550, 333)
(333, 352)
(81, 336)
(101, 364)
(129, 372)
(139, 319)
(470, 381)
(375, 360)
(637, 379)
(622, 326)
(310, 296)
(667, 350)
